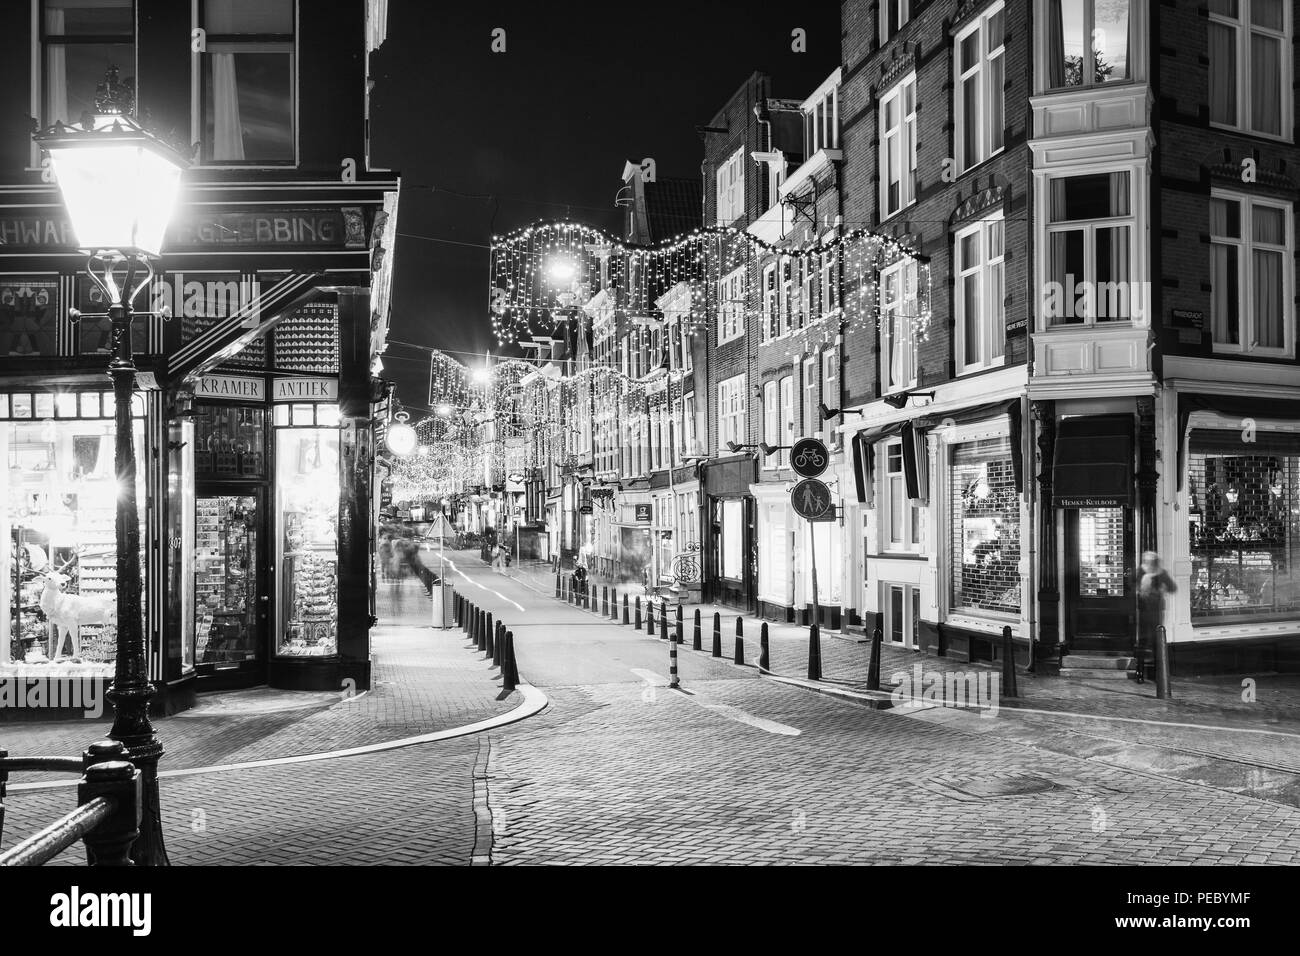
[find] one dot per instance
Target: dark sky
(545, 127)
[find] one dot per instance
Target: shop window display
(225, 578)
(59, 548)
(307, 492)
(985, 514)
(1244, 527)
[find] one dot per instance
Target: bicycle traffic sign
(809, 458)
(811, 499)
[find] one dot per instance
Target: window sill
(963, 173)
(1239, 352)
(1288, 137)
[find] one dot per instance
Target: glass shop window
(229, 441)
(1244, 527)
(307, 496)
(985, 515)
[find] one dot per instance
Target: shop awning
(1094, 462)
(224, 339)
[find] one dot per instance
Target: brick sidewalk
(845, 658)
(424, 680)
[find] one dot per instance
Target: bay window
(1087, 42)
(898, 147)
(1252, 274)
(1250, 66)
(981, 323)
(1089, 235)
(899, 307)
(980, 69)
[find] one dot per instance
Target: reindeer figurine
(67, 612)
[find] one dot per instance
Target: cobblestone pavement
(630, 772)
(740, 768)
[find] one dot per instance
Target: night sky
(489, 142)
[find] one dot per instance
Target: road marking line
(722, 710)
(534, 701)
(483, 586)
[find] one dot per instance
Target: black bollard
(625, 617)
(464, 617)
(717, 634)
(455, 608)
(472, 631)
(1008, 664)
(492, 637)
(873, 665)
(740, 641)
(677, 636)
(586, 597)
(638, 613)
(814, 652)
(509, 672)
(499, 649)
(558, 585)
(604, 600)
(764, 649)
(697, 641)
(663, 621)
(613, 605)
(483, 635)
(1163, 691)
(650, 617)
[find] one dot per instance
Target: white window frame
(731, 188)
(1243, 29)
(731, 412)
(811, 383)
(904, 11)
(771, 422)
(787, 423)
(807, 314)
(787, 294)
(990, 49)
(899, 143)
(821, 118)
(886, 308)
(1089, 229)
(1246, 331)
(731, 306)
(830, 387)
(688, 424)
(771, 294)
(893, 486)
(1136, 18)
(992, 317)
(911, 610)
(826, 285)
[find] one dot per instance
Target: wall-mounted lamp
(832, 412)
(770, 450)
(899, 399)
(737, 447)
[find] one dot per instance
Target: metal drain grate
(990, 785)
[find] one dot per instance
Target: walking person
(407, 550)
(1154, 584)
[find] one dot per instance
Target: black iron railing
(108, 813)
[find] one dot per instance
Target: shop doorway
(230, 581)
(1100, 604)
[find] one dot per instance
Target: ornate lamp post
(120, 185)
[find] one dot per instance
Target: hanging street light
(120, 185)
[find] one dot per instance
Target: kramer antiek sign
(339, 227)
(305, 390)
(230, 386)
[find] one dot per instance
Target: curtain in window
(1055, 46)
(1223, 74)
(1265, 85)
(56, 70)
(227, 131)
(1268, 226)
(1119, 252)
(1223, 272)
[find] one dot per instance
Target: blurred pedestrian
(1153, 585)
(406, 551)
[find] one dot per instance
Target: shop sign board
(811, 499)
(305, 390)
(809, 458)
(642, 512)
(230, 387)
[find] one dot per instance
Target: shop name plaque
(305, 390)
(230, 386)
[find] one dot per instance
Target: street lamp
(120, 185)
(401, 438)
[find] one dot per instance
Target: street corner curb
(865, 699)
(533, 703)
